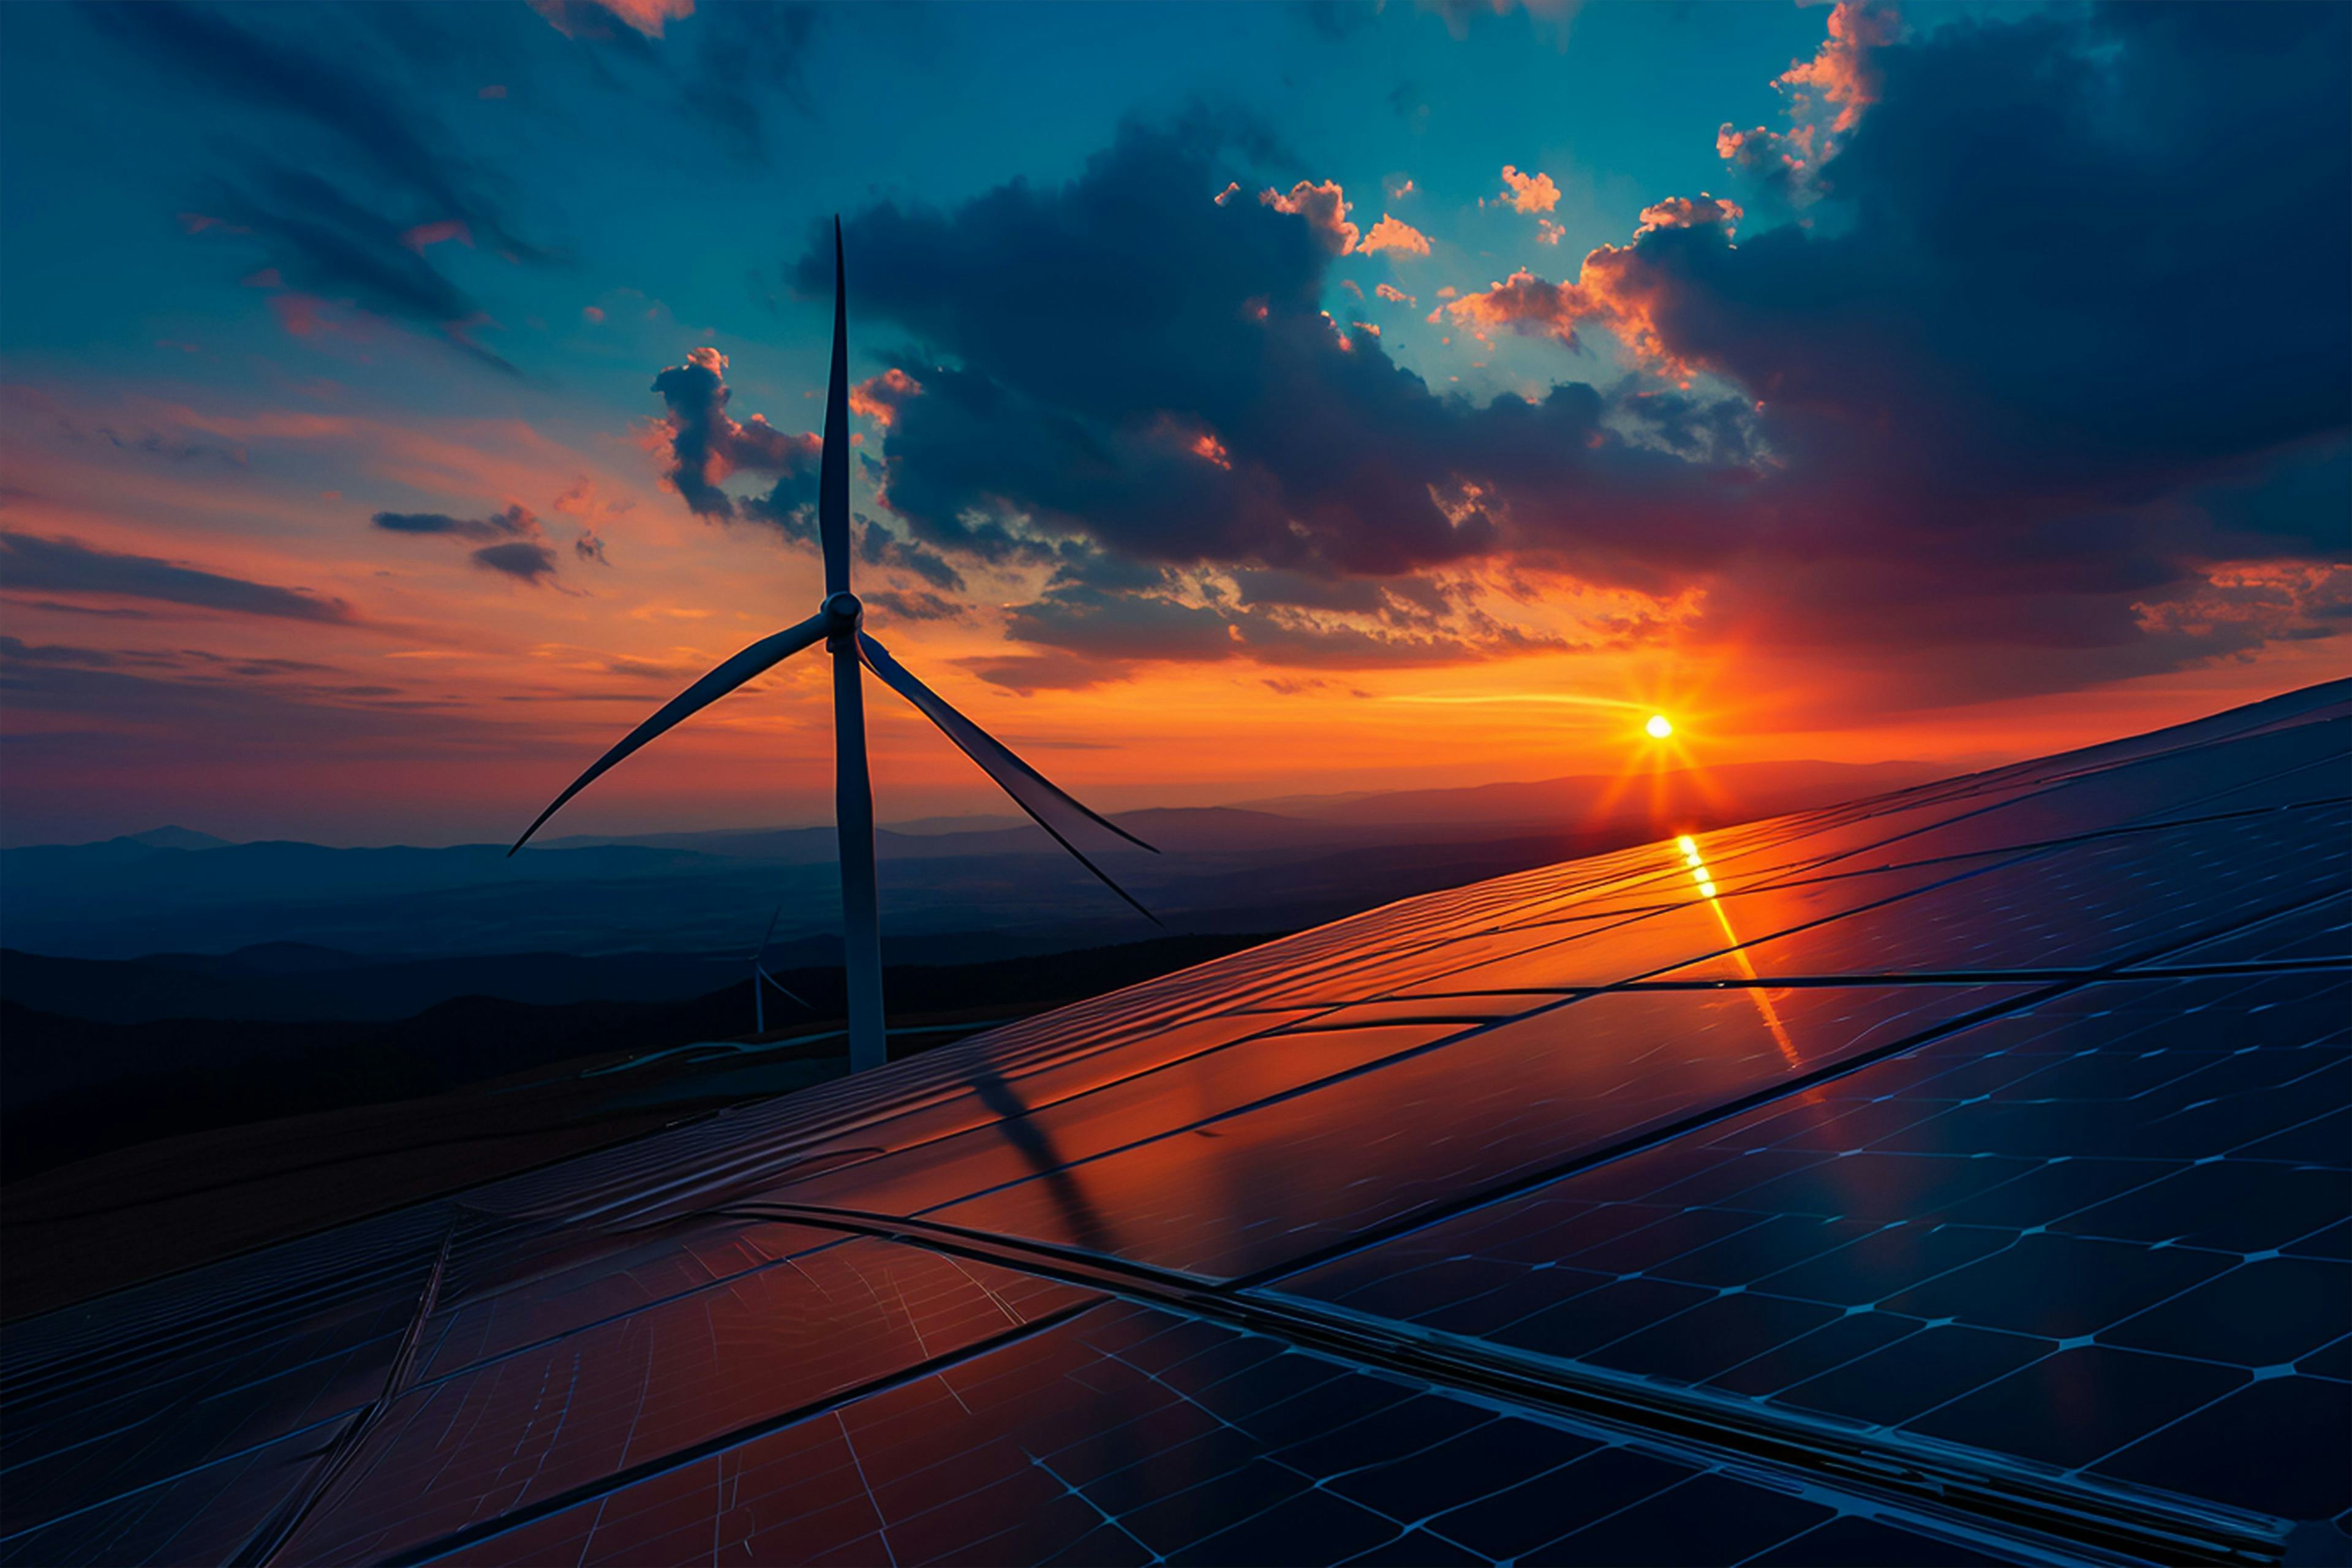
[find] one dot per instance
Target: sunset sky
(400, 402)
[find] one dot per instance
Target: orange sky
(454, 700)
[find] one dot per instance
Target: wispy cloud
(70, 566)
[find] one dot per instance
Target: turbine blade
(781, 986)
(1014, 776)
(756, 660)
(833, 473)
(770, 934)
(995, 757)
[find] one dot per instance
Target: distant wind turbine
(760, 974)
(838, 624)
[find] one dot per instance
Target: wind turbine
(839, 625)
(760, 973)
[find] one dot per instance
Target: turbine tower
(839, 625)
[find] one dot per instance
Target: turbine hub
(844, 610)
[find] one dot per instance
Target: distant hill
(289, 982)
(966, 894)
(176, 838)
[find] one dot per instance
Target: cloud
(879, 397)
(368, 149)
(518, 547)
(1122, 629)
(724, 68)
(527, 561)
(1843, 75)
(1389, 234)
(1323, 206)
(1528, 193)
(746, 54)
(514, 523)
(706, 445)
(591, 19)
(920, 605)
(70, 566)
(1980, 411)
(382, 128)
(209, 708)
(1684, 212)
(1396, 296)
(325, 246)
(1826, 96)
(1523, 303)
(1334, 460)
(879, 545)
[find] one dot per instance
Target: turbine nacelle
(839, 624)
(843, 613)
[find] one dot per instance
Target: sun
(1658, 728)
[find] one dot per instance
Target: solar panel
(1961, 1176)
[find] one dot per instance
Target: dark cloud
(151, 444)
(103, 612)
(919, 606)
(358, 236)
(515, 521)
(879, 544)
(16, 650)
(1109, 631)
(706, 443)
(324, 244)
(2037, 269)
(324, 91)
(124, 706)
(2060, 343)
(70, 566)
(1185, 400)
(746, 55)
(517, 546)
(530, 562)
(728, 64)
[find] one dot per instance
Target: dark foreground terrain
(140, 1149)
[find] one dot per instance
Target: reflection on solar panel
(1961, 1176)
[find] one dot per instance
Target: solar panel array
(1961, 1176)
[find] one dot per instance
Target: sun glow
(1658, 728)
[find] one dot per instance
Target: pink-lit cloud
(1389, 233)
(1613, 289)
(879, 397)
(425, 234)
(1528, 193)
(1826, 97)
(585, 19)
(1686, 211)
(1325, 208)
(1844, 72)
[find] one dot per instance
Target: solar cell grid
(1271, 1182)
(1134, 1434)
(2080, 1210)
(470, 1445)
(2024, 1209)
